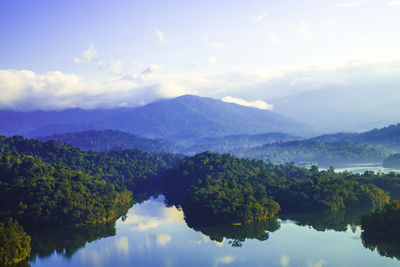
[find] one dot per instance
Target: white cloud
(160, 36)
(274, 39)
(393, 3)
(141, 220)
(285, 260)
(348, 4)
(90, 55)
(26, 90)
(162, 240)
(115, 66)
(303, 29)
(122, 244)
(255, 104)
(224, 260)
(152, 69)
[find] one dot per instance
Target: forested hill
(223, 188)
(323, 153)
(184, 117)
(129, 168)
(251, 146)
(388, 137)
(111, 139)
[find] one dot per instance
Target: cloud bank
(254, 104)
(27, 90)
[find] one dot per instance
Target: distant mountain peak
(183, 117)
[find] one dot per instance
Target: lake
(155, 235)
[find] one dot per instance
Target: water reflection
(155, 235)
(66, 240)
(323, 221)
(388, 246)
(237, 234)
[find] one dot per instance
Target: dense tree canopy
(35, 193)
(129, 168)
(14, 242)
(220, 189)
(223, 188)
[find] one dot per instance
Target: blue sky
(60, 54)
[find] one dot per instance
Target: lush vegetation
(219, 189)
(393, 161)
(14, 242)
(129, 168)
(49, 182)
(390, 182)
(322, 153)
(110, 139)
(39, 193)
(214, 188)
(323, 193)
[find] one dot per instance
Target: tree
(15, 244)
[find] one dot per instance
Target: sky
(104, 54)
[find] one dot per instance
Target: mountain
(184, 117)
(110, 139)
(41, 123)
(229, 143)
(388, 137)
(191, 116)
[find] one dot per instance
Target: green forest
(49, 183)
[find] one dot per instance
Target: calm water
(155, 235)
(360, 168)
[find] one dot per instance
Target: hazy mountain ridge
(185, 117)
(322, 153)
(388, 137)
(111, 139)
(232, 142)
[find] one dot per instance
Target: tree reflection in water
(323, 221)
(67, 240)
(385, 245)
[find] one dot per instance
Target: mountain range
(184, 117)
